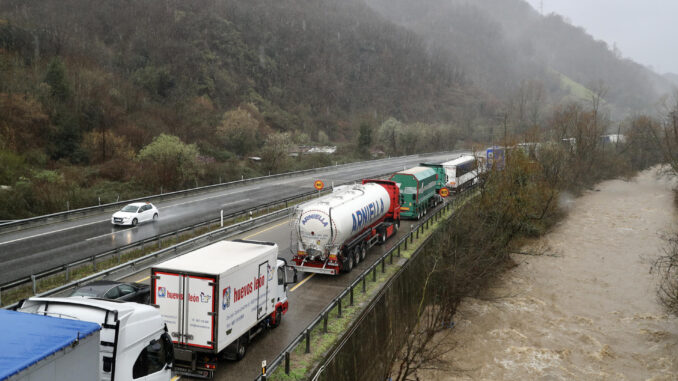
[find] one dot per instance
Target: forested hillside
(114, 99)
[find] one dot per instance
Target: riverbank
(587, 308)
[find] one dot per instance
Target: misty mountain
(672, 78)
(503, 43)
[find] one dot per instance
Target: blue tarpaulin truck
(36, 348)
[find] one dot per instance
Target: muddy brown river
(587, 310)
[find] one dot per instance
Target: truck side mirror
(294, 277)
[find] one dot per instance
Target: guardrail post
(364, 285)
(418, 228)
(390, 257)
(94, 262)
(34, 285)
(411, 235)
(287, 362)
(67, 272)
(351, 298)
(339, 307)
(374, 275)
(325, 323)
(117, 252)
(383, 266)
(308, 341)
(399, 248)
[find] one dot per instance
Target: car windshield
(85, 292)
(130, 208)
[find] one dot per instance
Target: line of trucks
(210, 303)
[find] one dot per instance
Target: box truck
(39, 348)
(133, 342)
(217, 298)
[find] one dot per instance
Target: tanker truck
(333, 233)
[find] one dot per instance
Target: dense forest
(115, 99)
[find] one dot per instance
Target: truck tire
(363, 251)
(240, 349)
(348, 263)
(278, 317)
(356, 255)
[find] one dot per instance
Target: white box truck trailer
(133, 345)
(217, 298)
(45, 348)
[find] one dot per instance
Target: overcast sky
(644, 30)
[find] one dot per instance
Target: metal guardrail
(175, 250)
(118, 251)
(65, 215)
(323, 316)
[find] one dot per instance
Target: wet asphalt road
(32, 250)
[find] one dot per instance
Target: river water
(585, 311)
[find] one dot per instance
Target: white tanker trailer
(332, 234)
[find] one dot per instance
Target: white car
(135, 213)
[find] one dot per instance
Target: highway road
(32, 250)
(307, 299)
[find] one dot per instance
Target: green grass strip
(302, 363)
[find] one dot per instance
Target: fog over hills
(86, 87)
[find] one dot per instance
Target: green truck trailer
(417, 191)
(441, 180)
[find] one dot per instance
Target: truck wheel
(241, 349)
(356, 255)
(348, 263)
(278, 317)
(363, 251)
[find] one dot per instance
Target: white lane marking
(267, 229)
(235, 202)
(53, 231)
(107, 234)
(210, 197)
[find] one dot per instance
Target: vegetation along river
(587, 309)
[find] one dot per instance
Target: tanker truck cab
(134, 341)
(217, 298)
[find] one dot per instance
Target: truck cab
(134, 341)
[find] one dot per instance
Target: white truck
(133, 343)
(38, 348)
(217, 298)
